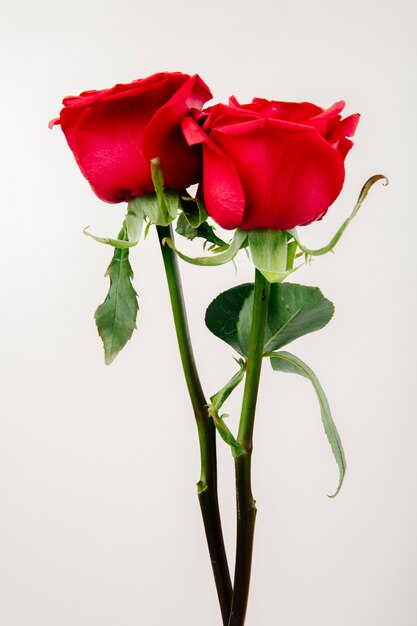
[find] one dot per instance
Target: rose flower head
(271, 165)
(114, 133)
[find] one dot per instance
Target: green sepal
(221, 396)
(134, 219)
(224, 432)
(131, 228)
(291, 254)
(194, 211)
(161, 209)
(329, 247)
(203, 231)
(269, 253)
(293, 311)
(115, 243)
(162, 206)
(169, 201)
(116, 316)
(216, 259)
(289, 363)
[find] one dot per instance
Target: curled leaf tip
(373, 179)
(333, 495)
(330, 246)
(366, 188)
(341, 481)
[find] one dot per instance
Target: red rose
(271, 164)
(114, 133)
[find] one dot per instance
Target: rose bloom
(271, 164)
(114, 133)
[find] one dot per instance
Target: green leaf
(116, 316)
(286, 362)
(216, 259)
(294, 310)
(364, 192)
(222, 314)
(221, 396)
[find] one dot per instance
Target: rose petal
(142, 85)
(290, 111)
(164, 138)
(222, 114)
(106, 141)
(335, 109)
(104, 129)
(312, 172)
(223, 193)
(193, 132)
(345, 128)
(343, 147)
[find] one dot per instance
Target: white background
(99, 521)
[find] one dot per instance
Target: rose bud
(114, 133)
(271, 165)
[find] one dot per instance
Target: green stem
(245, 504)
(207, 485)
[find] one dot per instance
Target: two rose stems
(233, 600)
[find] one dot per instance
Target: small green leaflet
(294, 310)
(221, 396)
(116, 316)
(286, 362)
